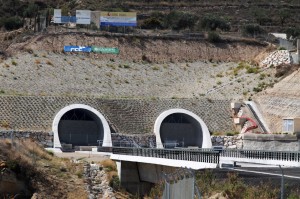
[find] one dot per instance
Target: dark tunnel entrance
(80, 127)
(181, 130)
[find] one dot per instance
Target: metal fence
(205, 155)
(263, 155)
(180, 185)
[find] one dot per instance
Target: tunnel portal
(80, 127)
(181, 130)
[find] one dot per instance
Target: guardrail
(262, 155)
(207, 156)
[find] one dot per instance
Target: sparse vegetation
(212, 23)
(232, 186)
(49, 63)
(213, 37)
(32, 163)
(155, 68)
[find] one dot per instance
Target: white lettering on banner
(79, 49)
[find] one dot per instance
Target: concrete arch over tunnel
(80, 125)
(181, 128)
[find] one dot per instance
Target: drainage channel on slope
(257, 118)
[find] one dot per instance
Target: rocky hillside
(28, 170)
(157, 68)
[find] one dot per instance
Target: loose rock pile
(277, 57)
(97, 183)
(231, 142)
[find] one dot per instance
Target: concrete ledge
(162, 161)
(260, 161)
(270, 137)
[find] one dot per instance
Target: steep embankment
(27, 169)
(164, 68)
(283, 100)
(140, 48)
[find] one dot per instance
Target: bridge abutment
(138, 178)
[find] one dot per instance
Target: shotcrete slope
(145, 68)
(283, 100)
(45, 74)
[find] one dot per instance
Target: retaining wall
(271, 142)
(126, 116)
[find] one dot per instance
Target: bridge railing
(293, 156)
(207, 156)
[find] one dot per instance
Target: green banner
(104, 50)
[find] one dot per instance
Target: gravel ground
(43, 73)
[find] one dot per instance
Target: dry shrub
(4, 124)
(37, 61)
(78, 193)
(109, 165)
(36, 149)
(111, 174)
(49, 63)
(284, 70)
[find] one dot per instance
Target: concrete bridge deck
(202, 158)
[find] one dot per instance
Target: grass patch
(109, 165)
(155, 68)
(13, 62)
(126, 66)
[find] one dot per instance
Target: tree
(261, 17)
(211, 23)
(180, 20)
(292, 33)
(31, 11)
(252, 30)
(152, 23)
(186, 20)
(11, 23)
(284, 14)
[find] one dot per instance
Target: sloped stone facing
(45, 139)
(34, 113)
(126, 116)
(278, 57)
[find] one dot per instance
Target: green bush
(180, 20)
(152, 23)
(261, 16)
(210, 22)
(115, 183)
(293, 32)
(252, 69)
(281, 48)
(213, 37)
(252, 30)
(50, 152)
(13, 165)
(11, 23)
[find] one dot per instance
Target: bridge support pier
(138, 178)
(130, 178)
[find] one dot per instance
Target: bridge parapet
(285, 158)
(207, 156)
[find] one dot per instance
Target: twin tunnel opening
(82, 125)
